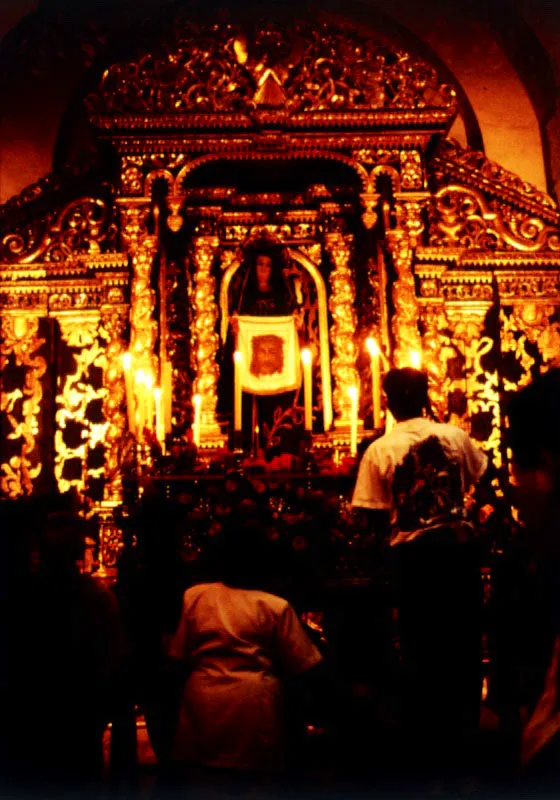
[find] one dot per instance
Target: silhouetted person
(239, 644)
(65, 652)
(534, 438)
(414, 480)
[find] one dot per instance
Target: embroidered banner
(270, 354)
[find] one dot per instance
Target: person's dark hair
(245, 556)
(407, 392)
(263, 247)
(62, 540)
(534, 421)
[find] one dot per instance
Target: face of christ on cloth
(267, 355)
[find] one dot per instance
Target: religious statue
(267, 324)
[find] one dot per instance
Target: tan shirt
(419, 472)
(238, 643)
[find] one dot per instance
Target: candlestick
(237, 390)
(353, 392)
(307, 390)
(160, 428)
(140, 391)
(129, 391)
(415, 359)
(197, 404)
(374, 353)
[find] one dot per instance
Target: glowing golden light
(372, 346)
(306, 356)
(415, 359)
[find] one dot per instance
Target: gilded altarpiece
(318, 138)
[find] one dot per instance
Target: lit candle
(353, 392)
(197, 403)
(416, 359)
(237, 391)
(389, 421)
(307, 389)
(129, 390)
(160, 429)
(374, 354)
(140, 391)
(149, 400)
(167, 394)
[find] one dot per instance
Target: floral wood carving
(303, 67)
(454, 161)
(84, 226)
(462, 217)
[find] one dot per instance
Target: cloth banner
(269, 354)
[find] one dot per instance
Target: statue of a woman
(261, 289)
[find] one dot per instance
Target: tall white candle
(149, 400)
(140, 392)
(307, 390)
(197, 404)
(374, 353)
(167, 394)
(354, 394)
(129, 391)
(237, 391)
(160, 429)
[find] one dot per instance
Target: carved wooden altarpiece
(330, 144)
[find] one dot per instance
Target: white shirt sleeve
(474, 460)
(372, 490)
(296, 650)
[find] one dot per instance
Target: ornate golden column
(205, 338)
(435, 324)
(343, 329)
(143, 327)
(113, 321)
(20, 338)
(401, 242)
(481, 386)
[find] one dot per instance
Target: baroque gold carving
(435, 324)
(473, 164)
(143, 327)
(84, 226)
(20, 338)
(113, 320)
(302, 67)
(80, 332)
(206, 340)
(341, 306)
(461, 217)
(411, 169)
(400, 243)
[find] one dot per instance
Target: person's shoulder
(199, 589)
(272, 601)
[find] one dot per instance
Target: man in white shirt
(415, 478)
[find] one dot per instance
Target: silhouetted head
(62, 542)
(534, 438)
(407, 393)
(246, 557)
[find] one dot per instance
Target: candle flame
(127, 360)
(197, 400)
(140, 376)
(237, 356)
(157, 393)
(306, 356)
(149, 380)
(415, 359)
(353, 392)
(372, 346)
